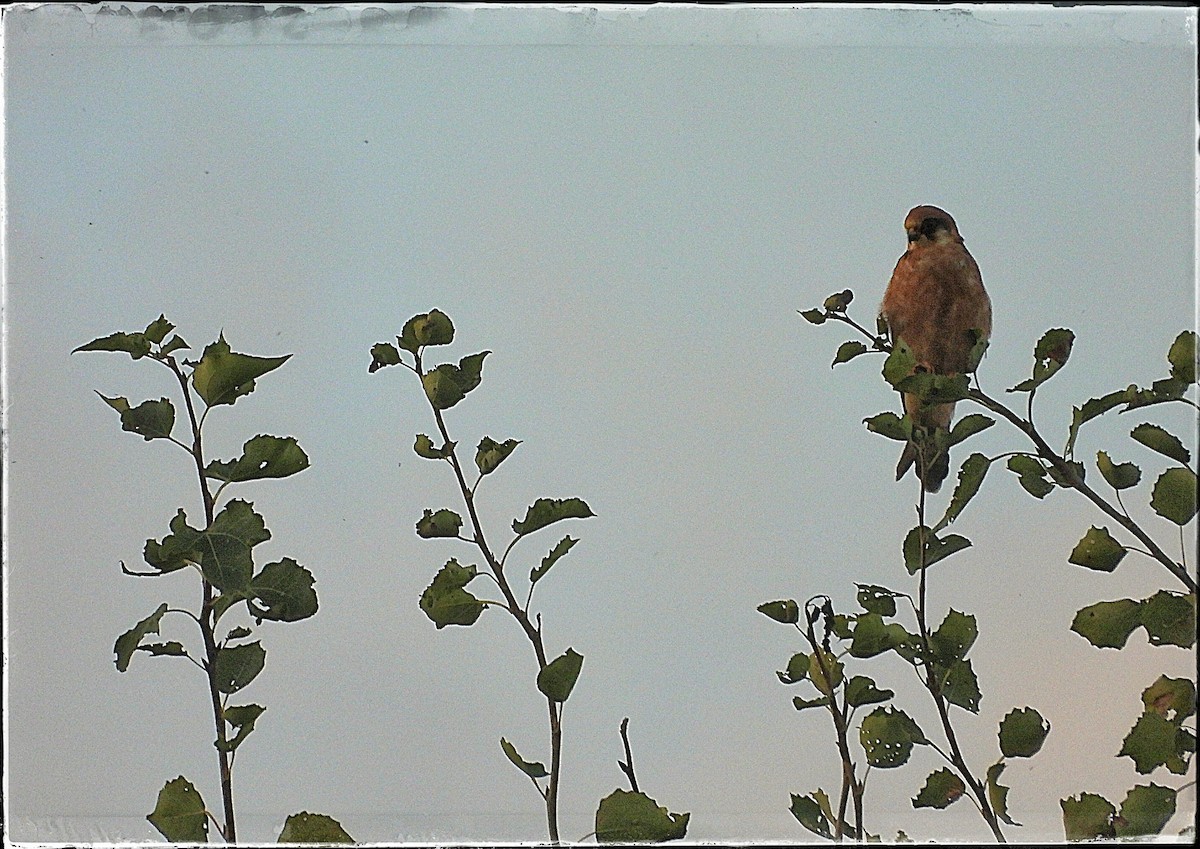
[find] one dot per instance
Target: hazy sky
(627, 207)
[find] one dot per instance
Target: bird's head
(929, 225)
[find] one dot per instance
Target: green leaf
(785, 611)
(168, 649)
(448, 384)
(1090, 409)
(424, 448)
(1151, 742)
(128, 642)
(936, 548)
(998, 794)
(262, 457)
(557, 678)
(936, 388)
(1118, 475)
(431, 328)
(942, 789)
(1097, 550)
(236, 667)
(1088, 817)
(237, 633)
(179, 815)
(383, 354)
(1031, 475)
(445, 601)
(838, 301)
(1174, 495)
(242, 718)
(954, 637)
(968, 426)
(1170, 619)
(1171, 698)
(491, 454)
(631, 817)
(888, 736)
(157, 330)
(1063, 478)
(826, 685)
(970, 478)
(872, 636)
(899, 363)
(848, 351)
(532, 769)
(1146, 810)
(149, 419)
(225, 547)
(813, 316)
(802, 704)
(1022, 732)
(546, 511)
(174, 344)
(1049, 355)
(285, 589)
(564, 545)
(1108, 624)
(136, 345)
(1182, 357)
(797, 669)
(961, 687)
(222, 376)
(470, 370)
(1167, 389)
(808, 813)
(313, 828)
(861, 690)
(876, 599)
(890, 425)
(443, 523)
(979, 347)
(1157, 439)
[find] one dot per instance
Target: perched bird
(937, 305)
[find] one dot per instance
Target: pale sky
(628, 207)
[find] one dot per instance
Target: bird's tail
(933, 470)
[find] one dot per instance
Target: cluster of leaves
(1159, 739)
(448, 601)
(220, 552)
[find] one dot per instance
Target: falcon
(937, 305)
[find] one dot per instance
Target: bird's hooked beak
(914, 233)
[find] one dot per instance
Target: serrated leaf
(1089, 410)
(813, 316)
(899, 363)
(424, 448)
(530, 768)
(445, 601)
(169, 649)
(888, 736)
(891, 426)
(1173, 699)
(968, 426)
(942, 789)
(809, 814)
(262, 457)
(285, 590)
(128, 642)
(1117, 475)
(442, 387)
(1182, 357)
(960, 686)
(1170, 619)
(1031, 475)
(998, 794)
(872, 636)
(1064, 478)
(1049, 355)
(179, 814)
(1022, 733)
(157, 330)
(241, 718)
(1150, 743)
(936, 548)
(313, 828)
(491, 454)
(1174, 495)
(1157, 439)
(861, 690)
(222, 375)
(431, 328)
(237, 666)
(1146, 810)
(149, 419)
(838, 301)
(546, 511)
(557, 678)
(237, 633)
(564, 545)
(936, 388)
(175, 343)
(1088, 817)
(443, 523)
(785, 611)
(225, 547)
(970, 479)
(797, 669)
(804, 704)
(1097, 550)
(383, 354)
(625, 816)
(848, 351)
(1160, 391)
(825, 684)
(1108, 624)
(876, 599)
(954, 637)
(134, 344)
